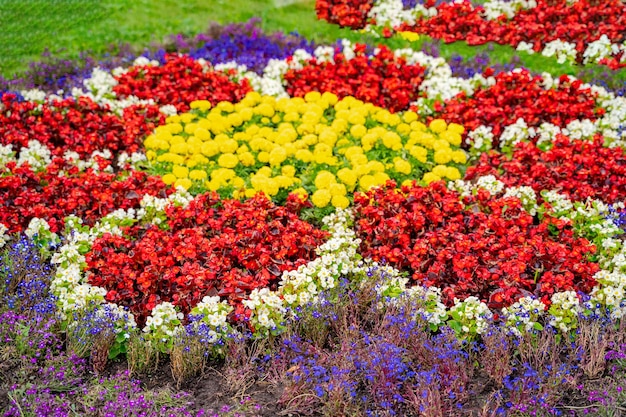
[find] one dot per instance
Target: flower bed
(581, 31)
(262, 208)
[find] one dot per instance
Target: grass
(70, 26)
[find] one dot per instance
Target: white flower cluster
(123, 319)
(35, 95)
(480, 138)
(92, 162)
(214, 312)
(562, 50)
(496, 8)
(560, 203)
(392, 13)
(524, 315)
(6, 154)
(600, 49)
(526, 195)
(525, 47)
(163, 321)
(69, 283)
(490, 183)
(36, 155)
(4, 236)
(268, 310)
(430, 299)
(133, 159)
(514, 134)
(168, 110)
(611, 289)
(471, 315)
(336, 257)
(564, 311)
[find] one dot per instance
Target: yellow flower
(321, 198)
(300, 192)
(197, 174)
(209, 148)
(402, 166)
(453, 173)
(451, 137)
(183, 182)
(361, 170)
(409, 36)
(381, 178)
(376, 166)
(324, 179)
(337, 189)
(169, 179)
(203, 105)
(179, 148)
(409, 116)
(340, 201)
(238, 182)
(430, 177)
(438, 125)
(440, 170)
(330, 98)
(202, 134)
(247, 159)
(288, 170)
(304, 155)
(263, 157)
(358, 159)
(358, 131)
(265, 109)
(277, 156)
(392, 141)
(228, 160)
(180, 171)
(229, 146)
(312, 96)
(443, 156)
(327, 137)
(174, 128)
(366, 182)
(456, 128)
(459, 156)
(347, 176)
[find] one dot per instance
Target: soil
(211, 391)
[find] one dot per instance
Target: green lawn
(67, 27)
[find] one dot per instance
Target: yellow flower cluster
(316, 145)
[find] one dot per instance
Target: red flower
(483, 246)
(383, 79)
(49, 195)
(212, 247)
(579, 169)
(520, 95)
(178, 82)
(77, 125)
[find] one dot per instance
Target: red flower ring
(178, 82)
(346, 13)
(520, 95)
(577, 168)
(78, 125)
(212, 247)
(48, 195)
(383, 79)
(482, 246)
(579, 23)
